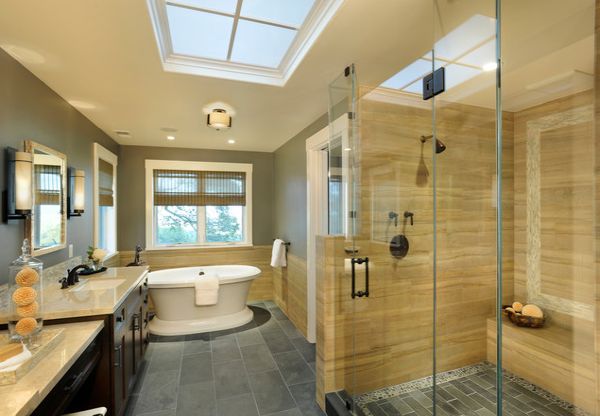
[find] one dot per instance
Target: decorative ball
(27, 277)
(509, 309)
(26, 326)
(533, 311)
(517, 306)
(24, 296)
(28, 311)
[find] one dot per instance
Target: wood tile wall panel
(258, 256)
(289, 288)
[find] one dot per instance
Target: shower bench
(558, 359)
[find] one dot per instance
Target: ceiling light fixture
(231, 141)
(170, 137)
(218, 119)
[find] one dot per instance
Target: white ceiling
(103, 52)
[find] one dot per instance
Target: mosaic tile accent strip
(466, 391)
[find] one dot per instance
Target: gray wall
(29, 109)
(290, 189)
(131, 188)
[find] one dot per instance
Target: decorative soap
(517, 306)
(28, 311)
(26, 326)
(533, 311)
(27, 277)
(24, 296)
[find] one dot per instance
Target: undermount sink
(100, 284)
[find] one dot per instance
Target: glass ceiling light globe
(219, 119)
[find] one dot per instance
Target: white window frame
(100, 152)
(152, 165)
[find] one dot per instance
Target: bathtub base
(197, 326)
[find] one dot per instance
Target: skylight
(248, 40)
(465, 52)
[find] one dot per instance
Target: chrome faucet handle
(201, 274)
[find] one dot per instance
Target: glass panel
(548, 98)
(224, 224)
(335, 189)
(464, 153)
(176, 224)
(106, 228)
(200, 34)
(290, 13)
(225, 6)
(408, 75)
(260, 44)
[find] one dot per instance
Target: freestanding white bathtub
(173, 294)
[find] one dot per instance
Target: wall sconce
(17, 198)
(76, 193)
(218, 119)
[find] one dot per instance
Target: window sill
(198, 246)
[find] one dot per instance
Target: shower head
(439, 145)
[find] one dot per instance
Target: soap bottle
(25, 298)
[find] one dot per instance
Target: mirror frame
(31, 146)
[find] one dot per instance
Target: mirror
(46, 228)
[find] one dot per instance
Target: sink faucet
(72, 276)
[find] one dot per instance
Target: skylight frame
(314, 23)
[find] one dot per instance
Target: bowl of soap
(530, 316)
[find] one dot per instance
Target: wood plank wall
(289, 291)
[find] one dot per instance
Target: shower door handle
(360, 293)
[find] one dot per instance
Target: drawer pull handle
(118, 349)
(136, 322)
(146, 299)
(119, 319)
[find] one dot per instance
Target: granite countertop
(98, 294)
(23, 397)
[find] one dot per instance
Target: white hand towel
(278, 258)
(207, 290)
(15, 362)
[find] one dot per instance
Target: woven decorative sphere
(25, 326)
(517, 306)
(28, 311)
(24, 296)
(27, 277)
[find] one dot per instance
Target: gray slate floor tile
(230, 379)
(225, 349)
(196, 368)
(242, 405)
(159, 392)
(258, 358)
(271, 393)
(293, 368)
(197, 399)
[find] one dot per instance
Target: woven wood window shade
(199, 188)
(48, 183)
(105, 182)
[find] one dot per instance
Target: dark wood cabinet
(124, 341)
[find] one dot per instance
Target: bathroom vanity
(118, 299)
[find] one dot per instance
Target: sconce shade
(219, 119)
(23, 182)
(78, 181)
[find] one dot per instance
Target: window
(248, 40)
(105, 200)
(198, 204)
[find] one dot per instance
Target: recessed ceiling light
(489, 66)
(168, 129)
(170, 137)
(231, 141)
(124, 134)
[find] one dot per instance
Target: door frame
(316, 208)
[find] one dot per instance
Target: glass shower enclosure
(467, 184)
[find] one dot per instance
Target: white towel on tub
(278, 254)
(207, 290)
